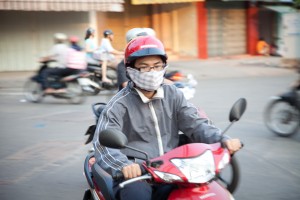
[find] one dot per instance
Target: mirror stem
(142, 152)
(228, 127)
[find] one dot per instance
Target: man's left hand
(233, 145)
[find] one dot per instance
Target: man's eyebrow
(143, 63)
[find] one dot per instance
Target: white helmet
(60, 37)
(135, 32)
(150, 31)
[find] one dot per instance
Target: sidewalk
(236, 66)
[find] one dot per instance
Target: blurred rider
(109, 52)
(90, 46)
(97, 55)
(58, 53)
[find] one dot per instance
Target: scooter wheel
(33, 91)
(282, 118)
(112, 74)
(75, 93)
(230, 176)
(96, 91)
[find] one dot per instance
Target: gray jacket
(150, 125)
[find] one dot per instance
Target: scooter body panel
(211, 191)
(186, 151)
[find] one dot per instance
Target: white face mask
(149, 81)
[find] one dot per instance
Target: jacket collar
(158, 95)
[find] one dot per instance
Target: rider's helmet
(107, 32)
(135, 32)
(144, 46)
(90, 31)
(73, 39)
(60, 37)
(150, 31)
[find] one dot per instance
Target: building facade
(193, 28)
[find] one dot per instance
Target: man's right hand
(131, 171)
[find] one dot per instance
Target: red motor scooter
(194, 168)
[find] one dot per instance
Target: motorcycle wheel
(282, 118)
(33, 91)
(230, 176)
(75, 93)
(91, 90)
(112, 74)
(96, 91)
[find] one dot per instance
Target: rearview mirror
(113, 138)
(237, 110)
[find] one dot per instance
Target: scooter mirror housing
(237, 110)
(113, 139)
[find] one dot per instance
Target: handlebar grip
(144, 171)
(118, 176)
(242, 144)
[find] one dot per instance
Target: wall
(187, 33)
(25, 36)
(120, 23)
(175, 25)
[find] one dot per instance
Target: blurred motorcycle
(33, 90)
(282, 113)
(96, 76)
(185, 83)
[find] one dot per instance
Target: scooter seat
(104, 181)
(70, 77)
(94, 69)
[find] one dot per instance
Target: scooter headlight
(167, 177)
(200, 169)
(224, 161)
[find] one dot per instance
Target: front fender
(273, 98)
(290, 97)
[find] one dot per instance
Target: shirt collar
(158, 95)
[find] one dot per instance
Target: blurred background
(189, 28)
(42, 144)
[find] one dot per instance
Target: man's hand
(45, 59)
(233, 145)
(131, 171)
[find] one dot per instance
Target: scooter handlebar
(119, 174)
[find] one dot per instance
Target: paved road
(42, 151)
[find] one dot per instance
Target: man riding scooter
(58, 53)
(150, 113)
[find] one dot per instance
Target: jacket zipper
(157, 130)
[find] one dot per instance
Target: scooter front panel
(211, 191)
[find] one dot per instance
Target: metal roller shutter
(226, 32)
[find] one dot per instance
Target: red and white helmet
(144, 46)
(74, 39)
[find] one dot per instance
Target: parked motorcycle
(33, 90)
(282, 113)
(196, 168)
